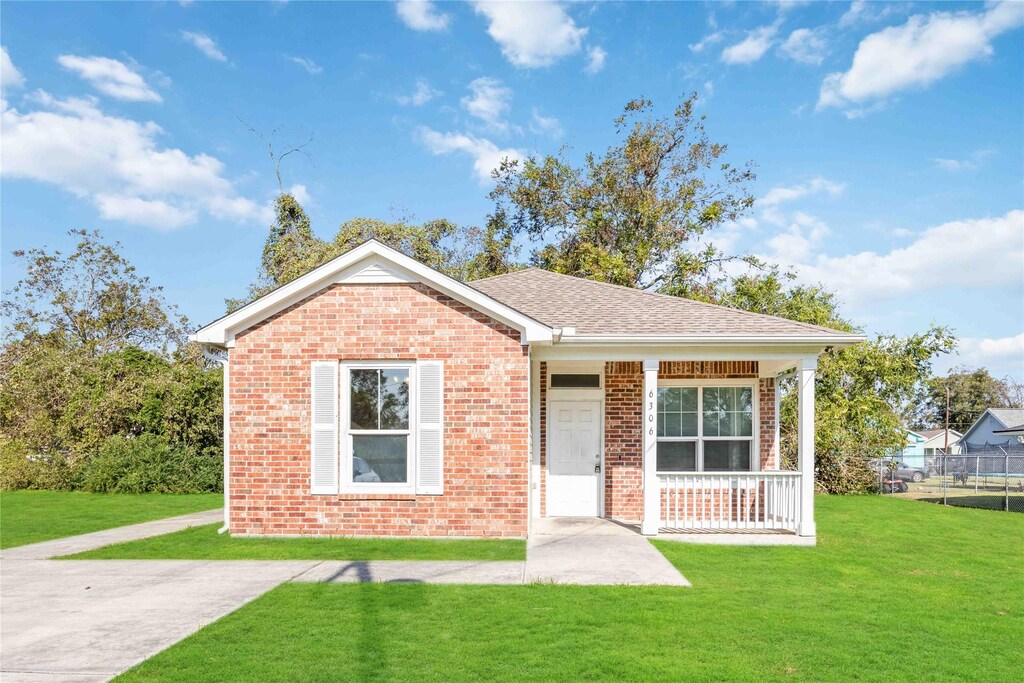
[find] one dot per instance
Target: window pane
(364, 392)
(566, 381)
(394, 398)
(668, 400)
(677, 411)
(710, 423)
(677, 456)
(728, 411)
(726, 456)
(380, 459)
(689, 426)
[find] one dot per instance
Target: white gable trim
(370, 262)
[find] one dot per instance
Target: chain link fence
(990, 480)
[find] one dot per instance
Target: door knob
(597, 468)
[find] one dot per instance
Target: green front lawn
(896, 590)
(204, 543)
(33, 516)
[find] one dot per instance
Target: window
(379, 435)
(705, 428)
(575, 381)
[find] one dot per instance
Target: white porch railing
(730, 500)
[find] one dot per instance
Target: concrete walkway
(486, 573)
(89, 620)
(595, 552)
(97, 539)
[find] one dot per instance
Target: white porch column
(652, 493)
(805, 442)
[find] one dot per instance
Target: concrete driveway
(89, 620)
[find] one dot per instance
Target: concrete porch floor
(593, 551)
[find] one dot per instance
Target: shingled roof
(598, 308)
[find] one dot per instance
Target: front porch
(686, 449)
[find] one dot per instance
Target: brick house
(377, 396)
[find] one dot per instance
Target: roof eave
(835, 341)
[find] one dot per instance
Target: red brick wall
(486, 376)
(769, 449)
(624, 417)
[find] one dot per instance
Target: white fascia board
(837, 341)
(780, 355)
(221, 332)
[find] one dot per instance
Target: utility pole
(945, 448)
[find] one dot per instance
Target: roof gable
(369, 262)
(595, 309)
(1006, 417)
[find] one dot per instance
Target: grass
(204, 543)
(33, 516)
(895, 590)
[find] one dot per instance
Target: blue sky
(889, 138)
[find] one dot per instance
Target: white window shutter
(324, 429)
(430, 428)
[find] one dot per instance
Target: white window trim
(345, 433)
(699, 439)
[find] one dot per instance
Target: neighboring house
(376, 396)
(984, 435)
(925, 444)
(1017, 431)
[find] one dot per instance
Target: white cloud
(546, 125)
(973, 161)
(531, 34)
(10, 77)
(799, 240)
(861, 12)
(917, 53)
(753, 47)
(111, 77)
(420, 96)
(308, 64)
(485, 154)
(707, 41)
(204, 44)
(595, 60)
(117, 164)
(818, 185)
(1001, 356)
(420, 15)
(805, 45)
(301, 194)
(858, 9)
(489, 102)
(934, 260)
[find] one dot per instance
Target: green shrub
(148, 464)
(20, 468)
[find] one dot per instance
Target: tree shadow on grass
(375, 601)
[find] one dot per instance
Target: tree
(292, 249)
(92, 299)
(627, 216)
(435, 243)
(496, 252)
(860, 391)
(970, 393)
(93, 351)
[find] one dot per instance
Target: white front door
(574, 459)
